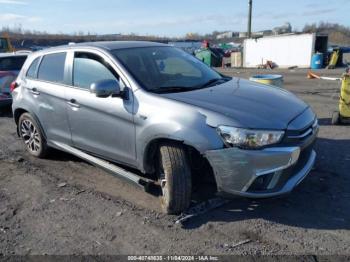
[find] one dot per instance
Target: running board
(111, 168)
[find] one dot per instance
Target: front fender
(158, 117)
(195, 133)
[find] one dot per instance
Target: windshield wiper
(212, 82)
(170, 89)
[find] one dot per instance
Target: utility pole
(250, 18)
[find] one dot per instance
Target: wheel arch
(197, 161)
(18, 112)
(150, 152)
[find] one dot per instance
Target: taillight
(13, 86)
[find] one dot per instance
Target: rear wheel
(174, 175)
(32, 136)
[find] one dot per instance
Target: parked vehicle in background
(10, 65)
(160, 110)
(5, 44)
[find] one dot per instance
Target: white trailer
(283, 50)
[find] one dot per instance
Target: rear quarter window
(52, 68)
(13, 63)
(33, 69)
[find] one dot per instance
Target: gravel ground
(63, 205)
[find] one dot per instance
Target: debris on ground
(243, 242)
(330, 78)
(202, 208)
(80, 192)
(60, 185)
(20, 159)
(230, 247)
(268, 65)
(312, 75)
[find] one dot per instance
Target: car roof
(106, 45)
(112, 45)
(15, 54)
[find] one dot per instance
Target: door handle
(73, 103)
(34, 91)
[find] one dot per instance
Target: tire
(336, 118)
(174, 175)
(32, 136)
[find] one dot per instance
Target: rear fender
(20, 111)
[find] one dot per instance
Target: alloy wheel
(30, 136)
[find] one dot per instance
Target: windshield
(167, 69)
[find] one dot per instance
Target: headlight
(249, 139)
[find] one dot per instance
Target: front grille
(302, 134)
(303, 137)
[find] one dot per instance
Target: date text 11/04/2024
(173, 258)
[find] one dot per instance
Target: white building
(283, 50)
(226, 35)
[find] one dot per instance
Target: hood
(249, 104)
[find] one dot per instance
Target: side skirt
(111, 168)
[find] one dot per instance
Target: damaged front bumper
(260, 173)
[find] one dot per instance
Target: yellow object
(274, 80)
(344, 104)
(5, 44)
(334, 60)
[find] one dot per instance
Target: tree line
(338, 34)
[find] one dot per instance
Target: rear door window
(13, 63)
(89, 68)
(52, 68)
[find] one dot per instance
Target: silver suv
(157, 109)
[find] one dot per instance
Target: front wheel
(174, 175)
(32, 136)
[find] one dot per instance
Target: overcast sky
(167, 17)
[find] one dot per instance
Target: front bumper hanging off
(260, 173)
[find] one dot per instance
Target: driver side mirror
(106, 88)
